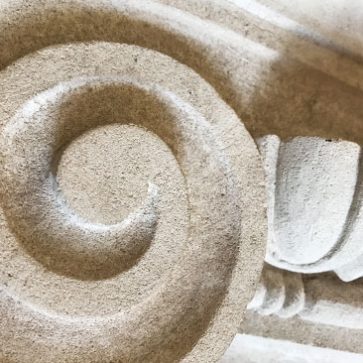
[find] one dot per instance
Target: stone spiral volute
(129, 196)
(35, 209)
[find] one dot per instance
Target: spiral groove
(166, 275)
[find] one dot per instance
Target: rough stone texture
(315, 211)
(315, 224)
(314, 189)
(132, 214)
(318, 298)
(130, 197)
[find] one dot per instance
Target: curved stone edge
(228, 315)
(272, 74)
(319, 300)
(315, 198)
(254, 349)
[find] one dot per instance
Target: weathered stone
(132, 220)
(130, 194)
(315, 212)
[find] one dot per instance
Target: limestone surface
(129, 191)
(315, 208)
(133, 218)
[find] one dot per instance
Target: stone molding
(133, 123)
(319, 298)
(315, 209)
(85, 122)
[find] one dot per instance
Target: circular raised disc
(186, 308)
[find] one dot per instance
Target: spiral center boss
(50, 231)
(133, 197)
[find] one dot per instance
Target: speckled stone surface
(130, 194)
(133, 211)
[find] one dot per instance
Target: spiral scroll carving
(125, 220)
(34, 208)
(132, 219)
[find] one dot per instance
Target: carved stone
(133, 219)
(130, 194)
(315, 211)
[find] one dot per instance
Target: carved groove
(320, 299)
(91, 257)
(36, 211)
(176, 70)
(314, 204)
(279, 292)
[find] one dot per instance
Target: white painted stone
(314, 204)
(252, 349)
